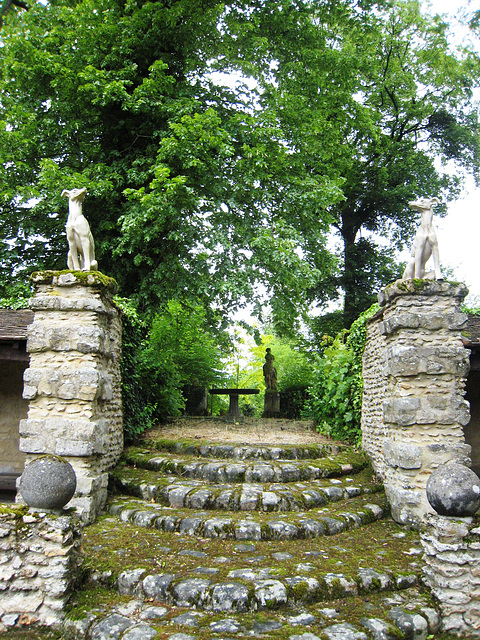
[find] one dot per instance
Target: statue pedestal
(271, 404)
(73, 383)
(416, 362)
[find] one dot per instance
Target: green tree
(370, 94)
(294, 369)
(185, 178)
(336, 393)
(139, 402)
(181, 338)
(200, 192)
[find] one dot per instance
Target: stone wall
(39, 565)
(422, 376)
(452, 572)
(73, 384)
(374, 429)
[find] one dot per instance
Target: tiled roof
(13, 324)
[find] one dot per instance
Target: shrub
(139, 406)
(336, 395)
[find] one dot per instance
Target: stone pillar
(452, 572)
(424, 409)
(73, 384)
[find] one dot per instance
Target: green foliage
(210, 194)
(187, 184)
(471, 306)
(372, 93)
(139, 403)
(336, 394)
(324, 326)
(16, 295)
(294, 372)
(177, 349)
(180, 349)
(181, 338)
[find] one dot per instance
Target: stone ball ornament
(454, 490)
(48, 482)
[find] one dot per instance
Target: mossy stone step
(221, 471)
(194, 494)
(400, 615)
(246, 452)
(248, 589)
(214, 525)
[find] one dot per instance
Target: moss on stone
(85, 278)
(15, 511)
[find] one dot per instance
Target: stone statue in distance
(81, 248)
(269, 371)
(425, 244)
(271, 401)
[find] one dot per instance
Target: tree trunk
(349, 279)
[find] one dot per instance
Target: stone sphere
(48, 482)
(454, 490)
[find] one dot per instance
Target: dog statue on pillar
(81, 248)
(425, 244)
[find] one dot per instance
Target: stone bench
(233, 410)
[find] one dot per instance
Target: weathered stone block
(63, 303)
(401, 411)
(77, 337)
(411, 360)
(441, 452)
(422, 288)
(401, 454)
(34, 445)
(404, 503)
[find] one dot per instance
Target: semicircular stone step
(249, 590)
(245, 452)
(220, 471)
(194, 494)
(407, 613)
(258, 526)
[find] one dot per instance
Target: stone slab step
(405, 614)
(262, 527)
(251, 590)
(221, 471)
(247, 452)
(194, 494)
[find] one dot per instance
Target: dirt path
(250, 431)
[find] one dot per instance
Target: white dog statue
(81, 248)
(425, 244)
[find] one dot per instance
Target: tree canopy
(372, 94)
(210, 192)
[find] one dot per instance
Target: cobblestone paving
(227, 542)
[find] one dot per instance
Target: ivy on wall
(336, 394)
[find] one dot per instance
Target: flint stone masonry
(374, 429)
(39, 565)
(73, 383)
(452, 572)
(414, 411)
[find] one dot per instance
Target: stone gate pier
(73, 383)
(414, 411)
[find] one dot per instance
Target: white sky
(459, 233)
